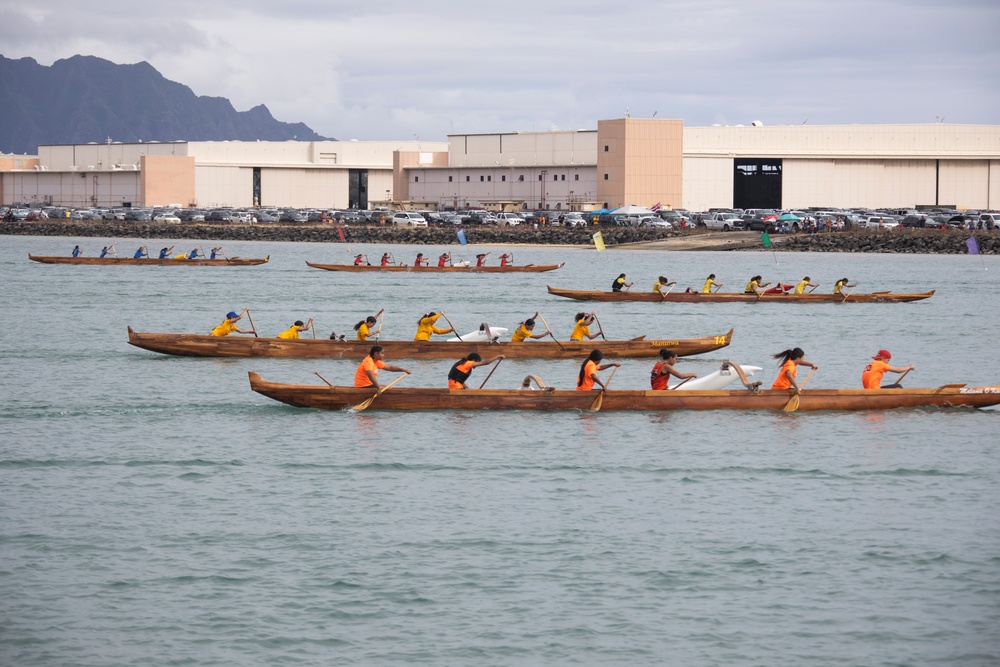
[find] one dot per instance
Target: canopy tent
(632, 209)
(789, 217)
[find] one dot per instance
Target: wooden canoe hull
(526, 268)
(201, 345)
(811, 400)
(149, 261)
(726, 297)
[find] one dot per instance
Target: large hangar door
(357, 195)
(757, 184)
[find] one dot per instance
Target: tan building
(640, 161)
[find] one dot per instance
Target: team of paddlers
(755, 285)
(445, 259)
(165, 253)
(366, 374)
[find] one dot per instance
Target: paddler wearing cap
(229, 326)
(871, 378)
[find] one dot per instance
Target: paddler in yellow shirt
(229, 326)
(800, 287)
(582, 328)
(293, 331)
(426, 326)
(524, 331)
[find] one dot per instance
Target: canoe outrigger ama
(203, 345)
(750, 398)
(738, 297)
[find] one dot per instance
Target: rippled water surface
(155, 511)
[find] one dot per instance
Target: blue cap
(231, 315)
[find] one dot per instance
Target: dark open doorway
(757, 184)
(357, 195)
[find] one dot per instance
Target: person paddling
(506, 259)
(524, 330)
(462, 369)
(582, 328)
(710, 283)
(293, 331)
(659, 377)
(790, 360)
(385, 259)
(481, 258)
(588, 377)
(366, 374)
(619, 283)
(871, 378)
(229, 325)
(839, 286)
(425, 327)
(364, 327)
(165, 252)
(420, 261)
(140, 253)
(800, 288)
(755, 286)
(215, 252)
(358, 259)
(76, 251)
(660, 283)
(444, 259)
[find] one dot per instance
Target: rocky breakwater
(528, 235)
(904, 241)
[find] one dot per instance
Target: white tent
(632, 209)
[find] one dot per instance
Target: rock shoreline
(575, 236)
(907, 241)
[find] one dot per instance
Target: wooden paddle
(848, 294)
(793, 402)
(452, 327)
(550, 332)
(491, 373)
(364, 404)
(380, 315)
(596, 405)
(322, 378)
(251, 323)
(312, 327)
(900, 378)
(682, 382)
(601, 327)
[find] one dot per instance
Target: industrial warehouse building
(640, 161)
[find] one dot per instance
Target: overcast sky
(395, 70)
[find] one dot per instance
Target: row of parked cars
(818, 219)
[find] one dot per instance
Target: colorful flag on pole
(340, 233)
(598, 241)
(766, 239)
(461, 237)
(973, 245)
(655, 207)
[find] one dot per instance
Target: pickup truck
(726, 222)
(509, 219)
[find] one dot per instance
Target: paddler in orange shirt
(588, 371)
(871, 378)
(790, 360)
(367, 373)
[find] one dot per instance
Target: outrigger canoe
(726, 297)
(203, 345)
(150, 261)
(327, 397)
(524, 268)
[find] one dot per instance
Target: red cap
(883, 354)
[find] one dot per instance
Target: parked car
(880, 222)
(167, 217)
(408, 218)
(655, 221)
(989, 220)
(726, 222)
(509, 219)
(574, 219)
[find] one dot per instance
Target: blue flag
(973, 245)
(461, 237)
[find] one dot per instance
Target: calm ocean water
(155, 511)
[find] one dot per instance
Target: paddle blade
(364, 404)
(793, 404)
(596, 405)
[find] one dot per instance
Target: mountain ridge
(82, 99)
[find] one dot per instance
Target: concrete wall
(166, 179)
(640, 161)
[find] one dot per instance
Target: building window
(576, 177)
(605, 177)
(328, 157)
(489, 178)
(555, 177)
(562, 177)
(482, 178)
(503, 178)
(539, 177)
(466, 179)
(449, 179)
(521, 177)
(416, 179)
(605, 149)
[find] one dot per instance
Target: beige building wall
(523, 149)
(640, 161)
(403, 160)
(966, 184)
(706, 180)
(166, 180)
(303, 188)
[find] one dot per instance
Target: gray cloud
(392, 70)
